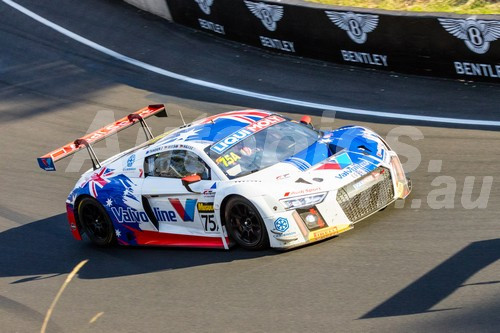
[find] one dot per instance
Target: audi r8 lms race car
(251, 177)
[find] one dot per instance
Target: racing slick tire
(245, 225)
(96, 222)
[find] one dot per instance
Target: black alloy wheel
(245, 225)
(95, 222)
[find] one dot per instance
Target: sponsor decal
(362, 182)
(46, 163)
(208, 223)
(131, 160)
(380, 150)
(182, 146)
(185, 212)
(477, 34)
(306, 191)
(207, 25)
(128, 215)
(325, 233)
(338, 162)
(171, 146)
(268, 14)
(474, 69)
(154, 150)
(264, 123)
(343, 160)
(360, 169)
(273, 43)
(205, 5)
(280, 177)
(208, 193)
(130, 163)
(238, 136)
(286, 236)
(228, 159)
(231, 140)
(329, 166)
(164, 215)
(205, 207)
(281, 224)
(364, 58)
(357, 26)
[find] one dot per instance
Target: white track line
(237, 91)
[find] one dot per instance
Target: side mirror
(188, 180)
(306, 120)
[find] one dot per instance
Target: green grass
(446, 6)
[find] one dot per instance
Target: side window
(176, 164)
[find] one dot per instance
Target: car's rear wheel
(245, 225)
(96, 222)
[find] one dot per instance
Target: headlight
(304, 201)
(402, 186)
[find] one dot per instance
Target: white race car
(249, 177)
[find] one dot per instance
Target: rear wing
(47, 161)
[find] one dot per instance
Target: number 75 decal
(209, 224)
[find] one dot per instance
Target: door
(171, 206)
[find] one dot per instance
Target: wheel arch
(256, 206)
(75, 211)
(222, 210)
(83, 228)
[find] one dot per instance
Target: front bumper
(344, 207)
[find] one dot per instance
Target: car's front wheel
(245, 225)
(96, 222)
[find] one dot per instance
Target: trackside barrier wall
(455, 46)
(157, 7)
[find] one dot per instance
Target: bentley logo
(356, 25)
(477, 34)
(268, 14)
(205, 5)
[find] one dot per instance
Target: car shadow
(46, 247)
(440, 282)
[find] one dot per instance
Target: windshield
(264, 148)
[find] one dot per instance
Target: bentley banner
(454, 46)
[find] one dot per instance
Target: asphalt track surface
(404, 269)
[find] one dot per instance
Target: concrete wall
(448, 45)
(157, 7)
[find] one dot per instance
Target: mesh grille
(368, 200)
